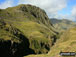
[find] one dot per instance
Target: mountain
(63, 24)
(25, 29)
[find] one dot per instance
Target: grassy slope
(33, 23)
(67, 43)
(36, 26)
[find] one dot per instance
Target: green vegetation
(31, 22)
(26, 29)
(66, 43)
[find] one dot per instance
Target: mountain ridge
(30, 23)
(62, 24)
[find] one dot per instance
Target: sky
(61, 9)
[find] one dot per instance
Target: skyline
(61, 9)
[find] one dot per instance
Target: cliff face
(25, 28)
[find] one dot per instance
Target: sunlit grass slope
(66, 43)
(34, 24)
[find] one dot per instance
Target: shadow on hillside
(9, 49)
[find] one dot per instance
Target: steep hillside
(29, 27)
(63, 24)
(66, 43)
(13, 42)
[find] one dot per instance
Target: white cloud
(50, 6)
(74, 12)
(69, 17)
(7, 3)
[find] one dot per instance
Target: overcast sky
(62, 9)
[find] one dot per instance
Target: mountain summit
(25, 29)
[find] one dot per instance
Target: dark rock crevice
(9, 49)
(54, 39)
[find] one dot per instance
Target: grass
(65, 46)
(32, 23)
